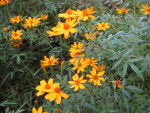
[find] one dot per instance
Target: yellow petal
(34, 110)
(81, 86)
(64, 95)
(76, 88)
(40, 110)
(58, 99)
(71, 82)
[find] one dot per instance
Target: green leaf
(20, 111)
(117, 63)
(126, 53)
(78, 108)
(37, 72)
(133, 88)
(137, 71)
(133, 60)
(125, 92)
(126, 103)
(125, 69)
(6, 103)
(91, 107)
(18, 59)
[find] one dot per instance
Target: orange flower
(44, 16)
(69, 13)
(16, 19)
(96, 77)
(16, 35)
(77, 82)
(117, 82)
(62, 63)
(57, 110)
(90, 35)
(103, 26)
(77, 47)
(67, 27)
(4, 2)
(5, 29)
(49, 61)
(56, 94)
(16, 43)
(91, 62)
(31, 22)
(122, 10)
(100, 68)
(85, 14)
(38, 111)
(146, 9)
(80, 65)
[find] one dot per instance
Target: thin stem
(8, 11)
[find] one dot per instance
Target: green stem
(51, 70)
(8, 11)
(45, 74)
(62, 42)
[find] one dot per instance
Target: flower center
(77, 82)
(77, 48)
(31, 21)
(148, 9)
(15, 18)
(50, 62)
(117, 82)
(99, 68)
(15, 34)
(103, 25)
(80, 65)
(47, 86)
(66, 26)
(57, 90)
(76, 54)
(90, 62)
(95, 77)
(69, 11)
(85, 13)
(55, 31)
(123, 10)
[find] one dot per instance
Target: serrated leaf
(137, 71)
(125, 69)
(117, 63)
(91, 107)
(134, 88)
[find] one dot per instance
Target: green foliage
(124, 49)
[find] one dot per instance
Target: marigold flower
(55, 31)
(16, 35)
(91, 62)
(32, 22)
(50, 61)
(90, 35)
(85, 14)
(44, 16)
(69, 13)
(80, 65)
(117, 83)
(4, 2)
(122, 10)
(146, 9)
(62, 63)
(67, 27)
(77, 82)
(103, 26)
(43, 66)
(96, 77)
(56, 94)
(75, 57)
(57, 110)
(38, 111)
(44, 87)
(77, 47)
(5, 29)
(16, 42)
(16, 19)
(100, 68)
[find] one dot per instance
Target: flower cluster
(4, 2)
(53, 90)
(72, 19)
